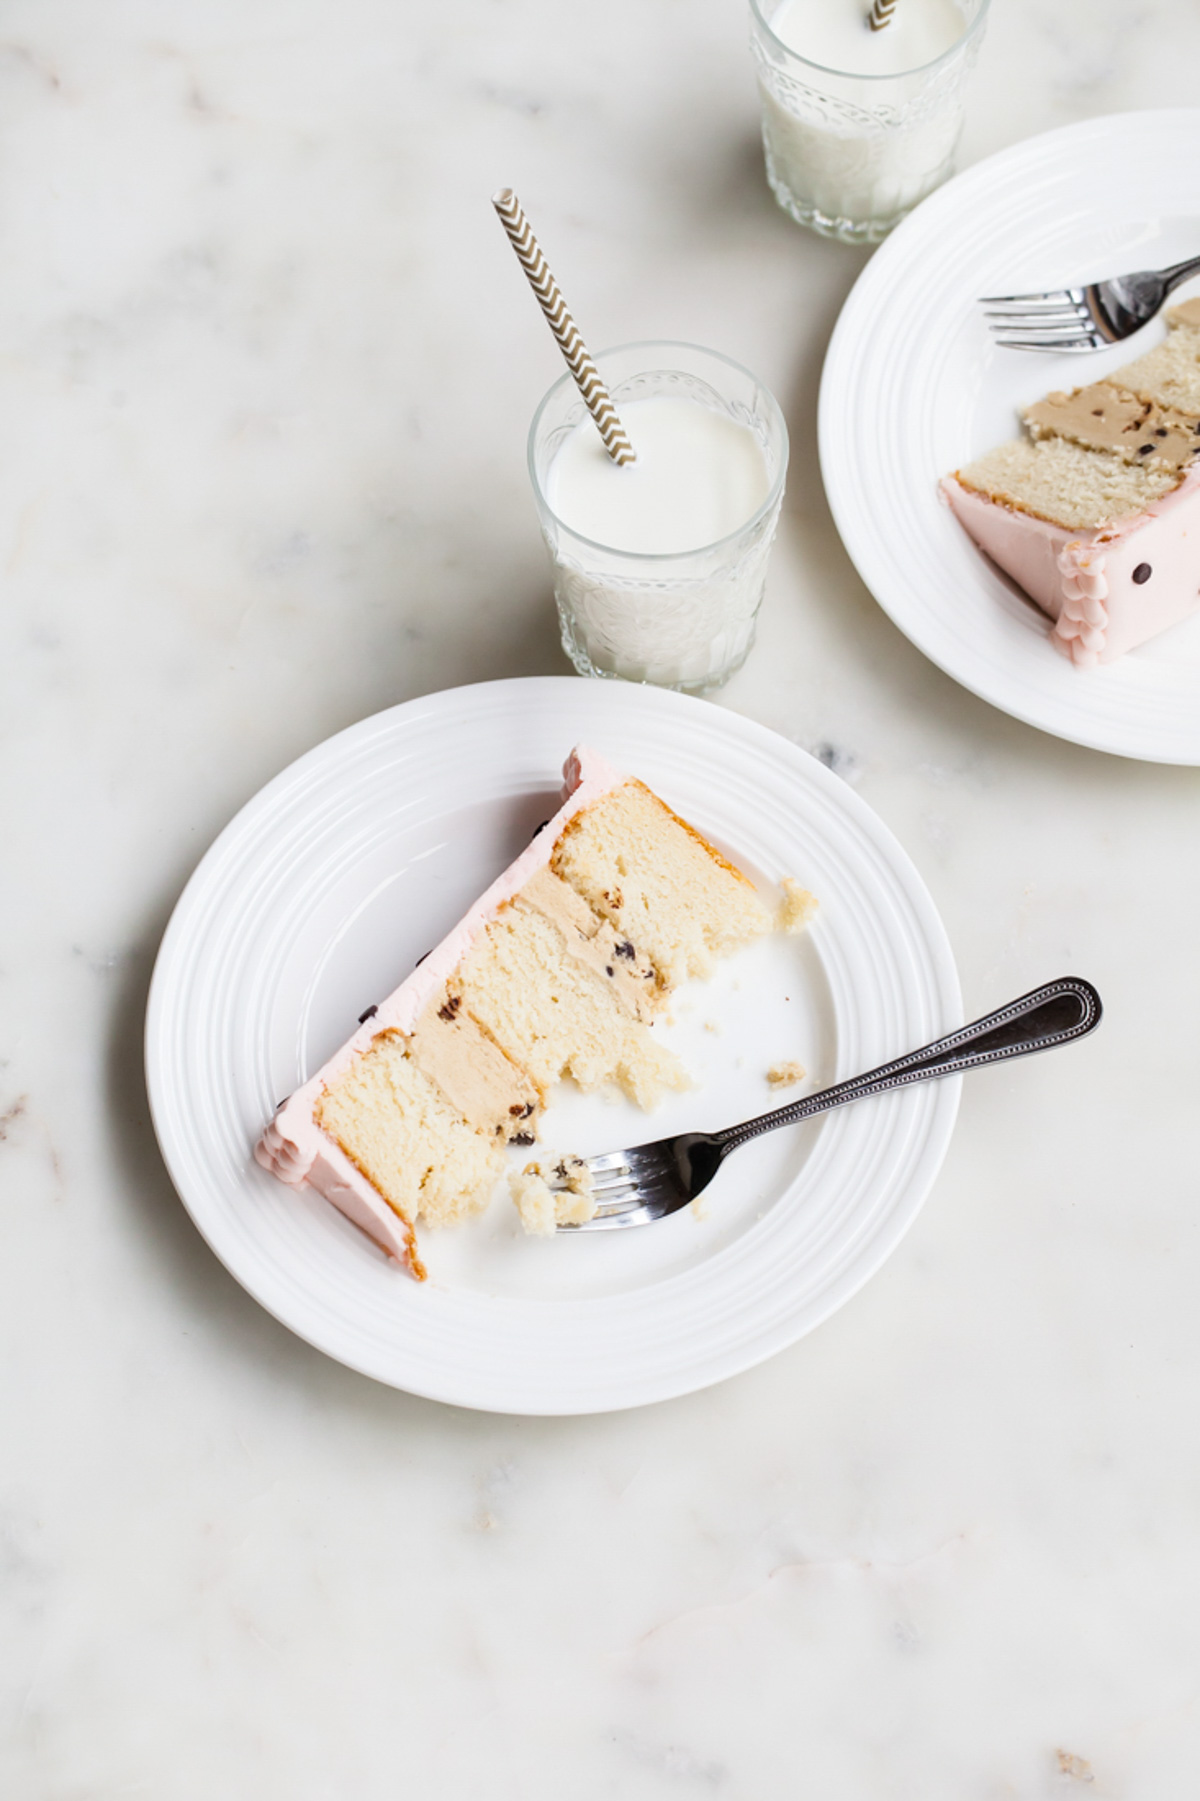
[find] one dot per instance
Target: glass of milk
(858, 125)
(659, 566)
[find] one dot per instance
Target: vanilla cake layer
(556, 971)
(1066, 484)
(559, 1017)
(403, 1135)
(1170, 373)
(1096, 514)
(676, 899)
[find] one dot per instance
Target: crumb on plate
(798, 908)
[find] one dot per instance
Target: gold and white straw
(881, 14)
(597, 396)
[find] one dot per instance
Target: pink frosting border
(295, 1149)
(1081, 629)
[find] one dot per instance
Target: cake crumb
(574, 1203)
(533, 1200)
(798, 908)
(543, 1209)
(786, 1075)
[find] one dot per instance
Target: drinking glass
(681, 620)
(850, 155)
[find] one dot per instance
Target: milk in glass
(660, 564)
(858, 125)
(699, 476)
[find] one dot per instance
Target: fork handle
(1178, 272)
(1054, 1014)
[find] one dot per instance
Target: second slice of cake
(1096, 513)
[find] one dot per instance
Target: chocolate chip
(609, 970)
(1142, 573)
(521, 1138)
(450, 1007)
(623, 950)
(521, 1109)
(1160, 431)
(369, 1014)
(1145, 449)
(1097, 412)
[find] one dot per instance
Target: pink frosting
(294, 1148)
(1081, 628)
(1084, 580)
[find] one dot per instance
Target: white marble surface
(266, 370)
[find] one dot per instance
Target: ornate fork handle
(1051, 1015)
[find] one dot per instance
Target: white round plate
(331, 883)
(914, 387)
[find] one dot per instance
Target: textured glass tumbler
(850, 155)
(684, 620)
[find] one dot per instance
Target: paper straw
(881, 14)
(596, 395)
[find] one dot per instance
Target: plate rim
(189, 913)
(851, 330)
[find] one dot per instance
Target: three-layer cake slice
(1095, 512)
(557, 971)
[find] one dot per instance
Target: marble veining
(266, 376)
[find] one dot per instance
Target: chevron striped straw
(597, 396)
(881, 14)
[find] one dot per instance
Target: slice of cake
(558, 970)
(1096, 513)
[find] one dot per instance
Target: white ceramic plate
(325, 890)
(913, 387)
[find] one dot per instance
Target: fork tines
(625, 1190)
(1053, 297)
(1068, 344)
(1058, 320)
(613, 1178)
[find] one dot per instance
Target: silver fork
(1080, 319)
(641, 1185)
